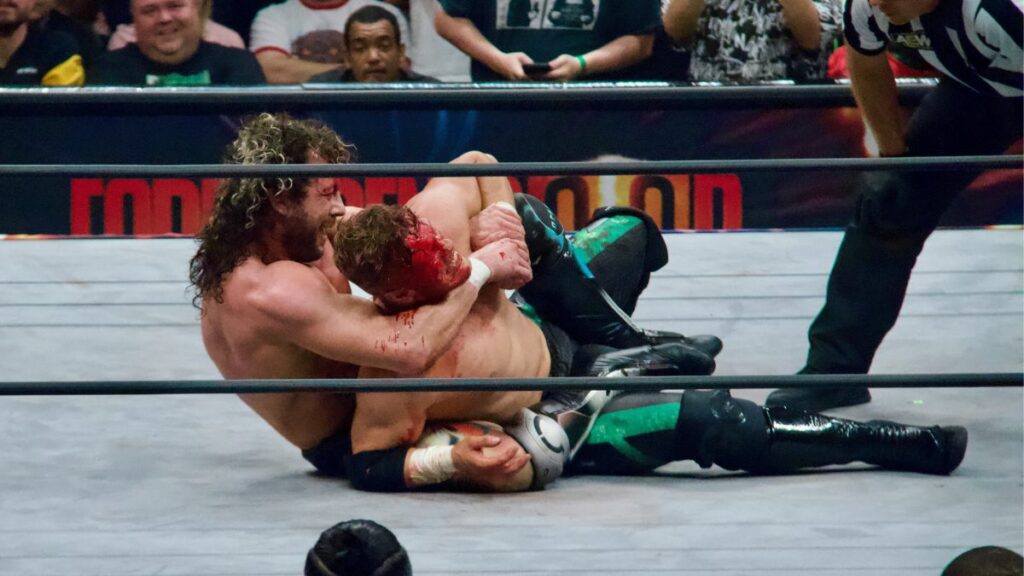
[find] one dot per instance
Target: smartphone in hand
(537, 68)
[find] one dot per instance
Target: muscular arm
(680, 19)
(875, 90)
(281, 68)
(386, 428)
(803, 22)
(351, 329)
(465, 36)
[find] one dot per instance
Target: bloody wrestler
(264, 246)
(410, 256)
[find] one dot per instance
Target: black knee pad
(655, 250)
(715, 428)
(621, 246)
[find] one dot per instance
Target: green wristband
(583, 63)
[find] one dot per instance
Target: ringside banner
(134, 206)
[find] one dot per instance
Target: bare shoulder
(284, 289)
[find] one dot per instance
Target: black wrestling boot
(804, 440)
(669, 359)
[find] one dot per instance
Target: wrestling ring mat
(197, 484)
(122, 452)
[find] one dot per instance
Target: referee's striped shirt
(976, 42)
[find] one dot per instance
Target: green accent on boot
(592, 240)
(615, 428)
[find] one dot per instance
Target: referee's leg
(895, 213)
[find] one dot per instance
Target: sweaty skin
(287, 312)
(496, 340)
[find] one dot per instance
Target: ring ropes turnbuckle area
(635, 384)
(921, 163)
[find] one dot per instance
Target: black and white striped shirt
(976, 42)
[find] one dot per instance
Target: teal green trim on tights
(617, 427)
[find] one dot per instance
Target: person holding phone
(555, 41)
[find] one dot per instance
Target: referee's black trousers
(894, 215)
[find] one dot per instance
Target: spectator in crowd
(74, 18)
(212, 31)
(560, 40)
(170, 51)
(375, 50)
(33, 56)
(434, 56)
(748, 42)
(298, 39)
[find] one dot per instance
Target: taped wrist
(432, 465)
(378, 470)
(479, 273)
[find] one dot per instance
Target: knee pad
(655, 250)
(715, 428)
(546, 443)
(621, 246)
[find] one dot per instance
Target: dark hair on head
(357, 548)
(370, 15)
(372, 241)
(241, 212)
(986, 561)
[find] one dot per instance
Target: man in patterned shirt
(748, 42)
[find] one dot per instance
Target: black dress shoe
(817, 399)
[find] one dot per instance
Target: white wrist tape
(431, 465)
(479, 272)
(506, 206)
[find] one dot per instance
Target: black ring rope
(643, 383)
(510, 96)
(939, 163)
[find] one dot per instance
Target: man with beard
(275, 306)
(31, 56)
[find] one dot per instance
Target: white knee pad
(546, 443)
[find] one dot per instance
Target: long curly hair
(241, 211)
(373, 241)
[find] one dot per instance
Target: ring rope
(637, 384)
(519, 96)
(937, 163)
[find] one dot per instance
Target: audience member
(434, 56)
(986, 561)
(298, 39)
(749, 42)
(212, 31)
(357, 548)
(170, 51)
(34, 56)
(74, 18)
(375, 50)
(559, 41)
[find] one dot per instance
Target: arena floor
(198, 485)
